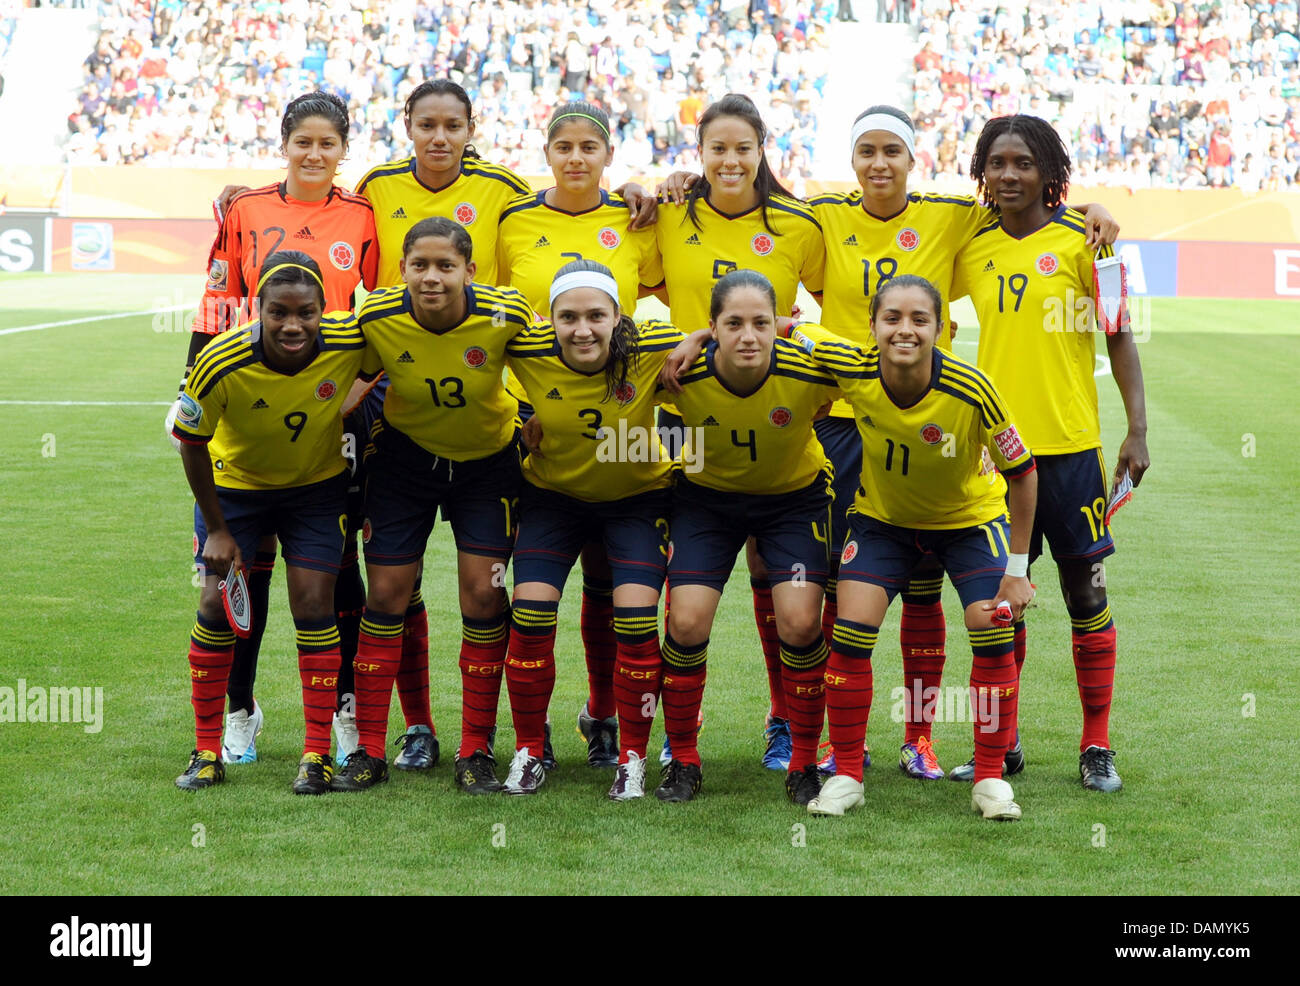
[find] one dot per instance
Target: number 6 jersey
(266, 429)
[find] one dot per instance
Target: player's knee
(481, 601)
(800, 628)
(688, 629)
(1084, 588)
(210, 607)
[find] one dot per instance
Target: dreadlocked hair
(442, 87)
(623, 354)
(1044, 143)
(765, 181)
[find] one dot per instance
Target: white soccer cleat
(993, 798)
(346, 737)
(837, 796)
(629, 780)
(526, 773)
(242, 730)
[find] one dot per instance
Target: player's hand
(1134, 457)
(986, 461)
(1016, 591)
(686, 353)
(642, 207)
(220, 552)
(531, 436)
(170, 422)
(675, 186)
(228, 193)
(952, 329)
(1102, 228)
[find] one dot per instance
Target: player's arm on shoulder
(1102, 229)
(680, 359)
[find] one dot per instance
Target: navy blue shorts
(1071, 510)
(308, 520)
(672, 432)
(709, 528)
(356, 436)
(407, 485)
(975, 558)
(843, 446)
(554, 527)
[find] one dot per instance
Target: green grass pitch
(96, 591)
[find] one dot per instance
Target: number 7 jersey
(921, 462)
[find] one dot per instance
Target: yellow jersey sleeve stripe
(965, 200)
(213, 375)
(521, 204)
(787, 205)
(389, 170)
(477, 166)
(976, 381)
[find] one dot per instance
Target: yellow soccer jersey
(693, 259)
(1033, 297)
(535, 240)
(445, 391)
(265, 429)
(921, 463)
(595, 447)
(863, 252)
(475, 199)
(761, 442)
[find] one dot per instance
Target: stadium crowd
(1146, 93)
(201, 84)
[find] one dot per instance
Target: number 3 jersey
(921, 462)
(446, 392)
(596, 446)
(266, 429)
(761, 442)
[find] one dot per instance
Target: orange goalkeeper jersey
(337, 232)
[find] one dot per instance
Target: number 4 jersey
(921, 463)
(265, 429)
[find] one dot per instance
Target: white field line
(90, 318)
(90, 403)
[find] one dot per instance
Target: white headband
(887, 122)
(584, 279)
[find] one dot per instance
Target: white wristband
(1017, 566)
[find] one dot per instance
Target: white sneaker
(526, 773)
(993, 798)
(629, 780)
(837, 796)
(242, 730)
(346, 737)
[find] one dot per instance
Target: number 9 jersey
(265, 429)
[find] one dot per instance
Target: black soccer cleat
(476, 774)
(205, 769)
(801, 786)
(315, 771)
(602, 739)
(361, 773)
(1014, 761)
(681, 782)
(1097, 769)
(549, 762)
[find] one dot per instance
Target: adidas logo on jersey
(406, 357)
(541, 242)
(259, 404)
(852, 240)
(866, 420)
(988, 267)
(398, 213)
(303, 234)
(554, 395)
(693, 240)
(710, 420)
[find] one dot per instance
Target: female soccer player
(871, 235)
(446, 441)
(924, 418)
(754, 468)
(307, 212)
(262, 437)
(590, 374)
(538, 234)
(738, 215)
(1029, 271)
